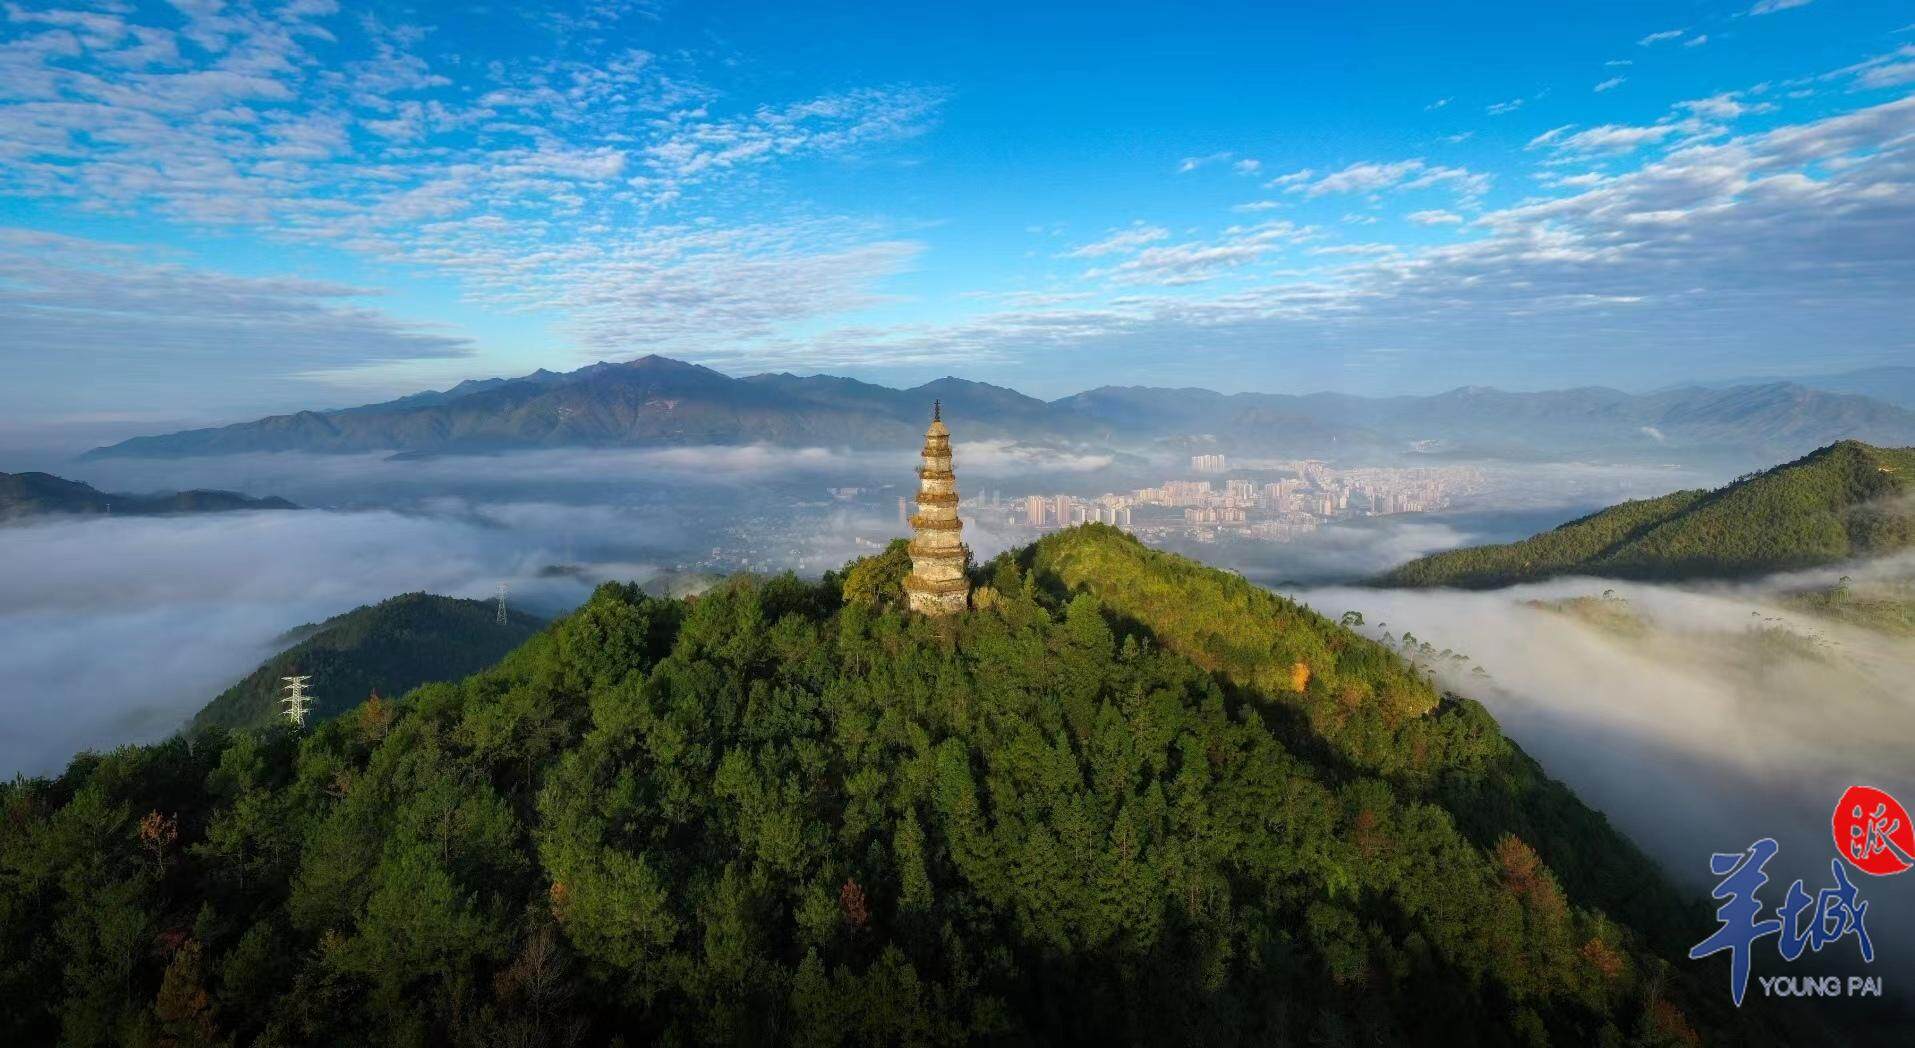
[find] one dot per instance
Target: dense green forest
(389, 648)
(1126, 799)
(1842, 501)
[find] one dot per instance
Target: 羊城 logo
(1872, 833)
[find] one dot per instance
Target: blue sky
(217, 210)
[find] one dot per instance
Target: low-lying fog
(116, 630)
(1699, 718)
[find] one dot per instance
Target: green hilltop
(1126, 799)
(1843, 501)
(390, 648)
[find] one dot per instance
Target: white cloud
(1607, 138)
(1499, 108)
(1120, 241)
(1701, 257)
(1667, 34)
(1197, 261)
(1291, 179)
(107, 322)
(1435, 218)
(1767, 7)
(1890, 70)
(1725, 106)
(1373, 177)
(1609, 84)
(1438, 104)
(1696, 41)
(1247, 166)
(1192, 163)
(550, 190)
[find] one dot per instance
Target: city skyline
(218, 211)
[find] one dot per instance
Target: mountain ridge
(389, 648)
(1842, 501)
(35, 494)
(658, 401)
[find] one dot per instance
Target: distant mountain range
(390, 647)
(1844, 501)
(33, 494)
(1892, 384)
(658, 401)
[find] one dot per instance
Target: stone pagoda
(937, 585)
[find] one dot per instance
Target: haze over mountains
(1895, 385)
(33, 494)
(656, 401)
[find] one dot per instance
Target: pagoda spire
(937, 584)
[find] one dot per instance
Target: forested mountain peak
(1126, 798)
(1843, 501)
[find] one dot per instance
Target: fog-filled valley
(621, 521)
(1698, 718)
(117, 629)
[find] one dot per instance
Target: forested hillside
(390, 648)
(1126, 800)
(1843, 501)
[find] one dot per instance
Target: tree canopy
(1845, 500)
(1108, 806)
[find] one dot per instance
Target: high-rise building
(937, 584)
(1034, 506)
(1207, 463)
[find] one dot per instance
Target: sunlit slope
(1843, 501)
(391, 647)
(1103, 807)
(1358, 705)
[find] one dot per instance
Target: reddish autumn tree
(157, 834)
(851, 902)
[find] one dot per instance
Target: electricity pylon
(502, 603)
(297, 702)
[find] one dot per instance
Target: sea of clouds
(1696, 736)
(1690, 737)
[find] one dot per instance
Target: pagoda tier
(937, 584)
